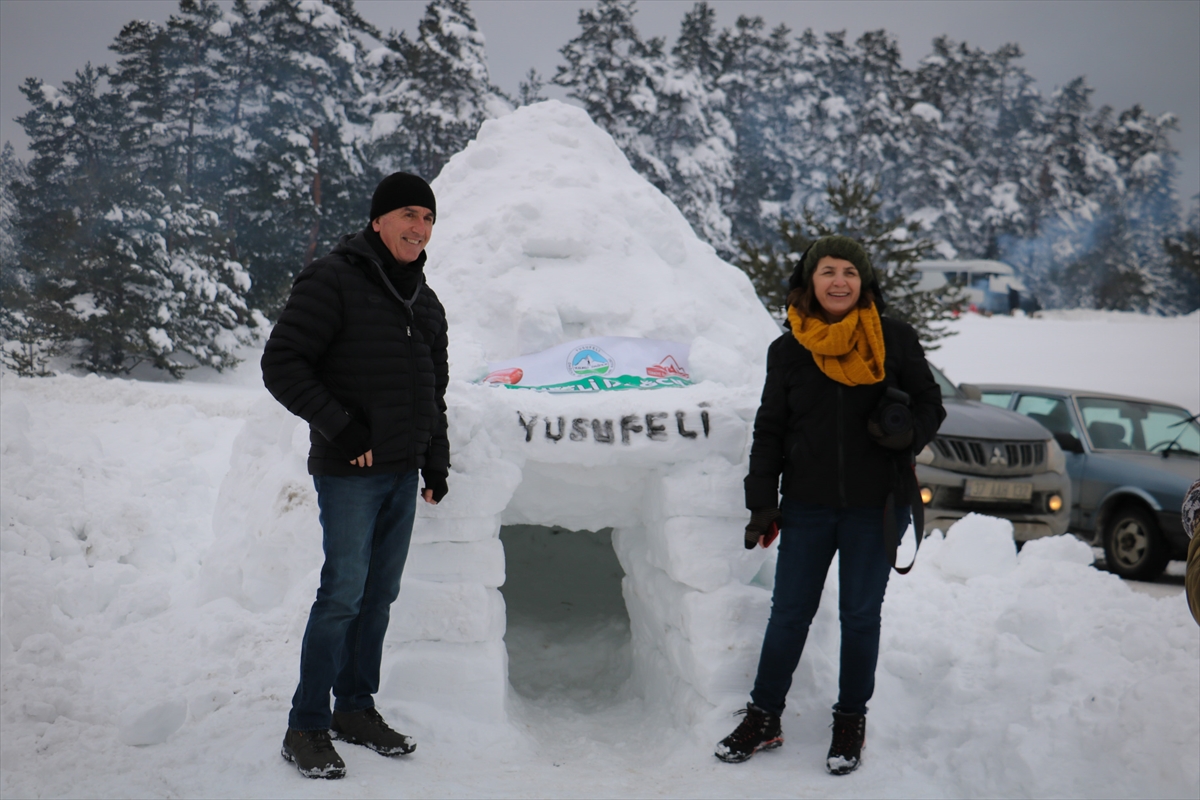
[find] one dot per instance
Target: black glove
(896, 441)
(759, 525)
(353, 441)
(437, 483)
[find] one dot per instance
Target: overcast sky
(1144, 51)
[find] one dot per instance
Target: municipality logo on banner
(604, 364)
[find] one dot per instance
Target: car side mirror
(972, 391)
(1069, 443)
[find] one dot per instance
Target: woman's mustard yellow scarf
(851, 351)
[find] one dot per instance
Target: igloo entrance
(567, 632)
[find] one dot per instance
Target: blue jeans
(810, 535)
(367, 524)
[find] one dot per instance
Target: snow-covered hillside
(159, 550)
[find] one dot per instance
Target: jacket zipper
(412, 381)
(841, 449)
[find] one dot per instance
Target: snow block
(468, 679)
(457, 562)
(578, 497)
(484, 489)
(446, 612)
(703, 552)
(266, 530)
(710, 639)
(709, 488)
(455, 529)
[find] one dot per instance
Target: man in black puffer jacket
(360, 353)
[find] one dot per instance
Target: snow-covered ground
(1000, 675)
(159, 550)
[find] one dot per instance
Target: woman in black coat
(848, 400)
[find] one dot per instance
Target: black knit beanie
(401, 189)
(839, 247)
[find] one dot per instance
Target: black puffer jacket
(364, 371)
(813, 430)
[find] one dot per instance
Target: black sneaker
(367, 728)
(313, 754)
(849, 734)
(758, 730)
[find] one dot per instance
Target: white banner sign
(606, 363)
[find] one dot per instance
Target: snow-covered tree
(530, 90)
(1183, 250)
(667, 119)
(120, 274)
(757, 83)
(852, 208)
(12, 170)
(307, 175)
(431, 94)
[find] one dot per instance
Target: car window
(998, 399)
(1129, 425)
(948, 388)
(1170, 425)
(1051, 412)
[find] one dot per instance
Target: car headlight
(1056, 460)
(925, 456)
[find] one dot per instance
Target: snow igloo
(546, 235)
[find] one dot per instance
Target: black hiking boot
(849, 734)
(313, 754)
(758, 730)
(367, 728)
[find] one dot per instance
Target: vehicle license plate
(997, 490)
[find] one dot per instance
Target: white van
(990, 286)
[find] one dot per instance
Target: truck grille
(987, 457)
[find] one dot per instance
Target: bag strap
(891, 536)
(408, 304)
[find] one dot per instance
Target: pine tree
(530, 90)
(433, 93)
(893, 245)
(1139, 144)
(1183, 250)
(12, 170)
(696, 140)
(756, 81)
(26, 348)
(119, 274)
(666, 118)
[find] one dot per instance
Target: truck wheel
(1133, 547)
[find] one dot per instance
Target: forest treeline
(170, 197)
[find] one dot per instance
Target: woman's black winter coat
(365, 371)
(813, 430)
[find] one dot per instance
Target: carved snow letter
(704, 422)
(528, 426)
(656, 432)
(680, 416)
(629, 425)
(562, 423)
(578, 430)
(602, 435)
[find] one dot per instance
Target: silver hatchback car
(1130, 460)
